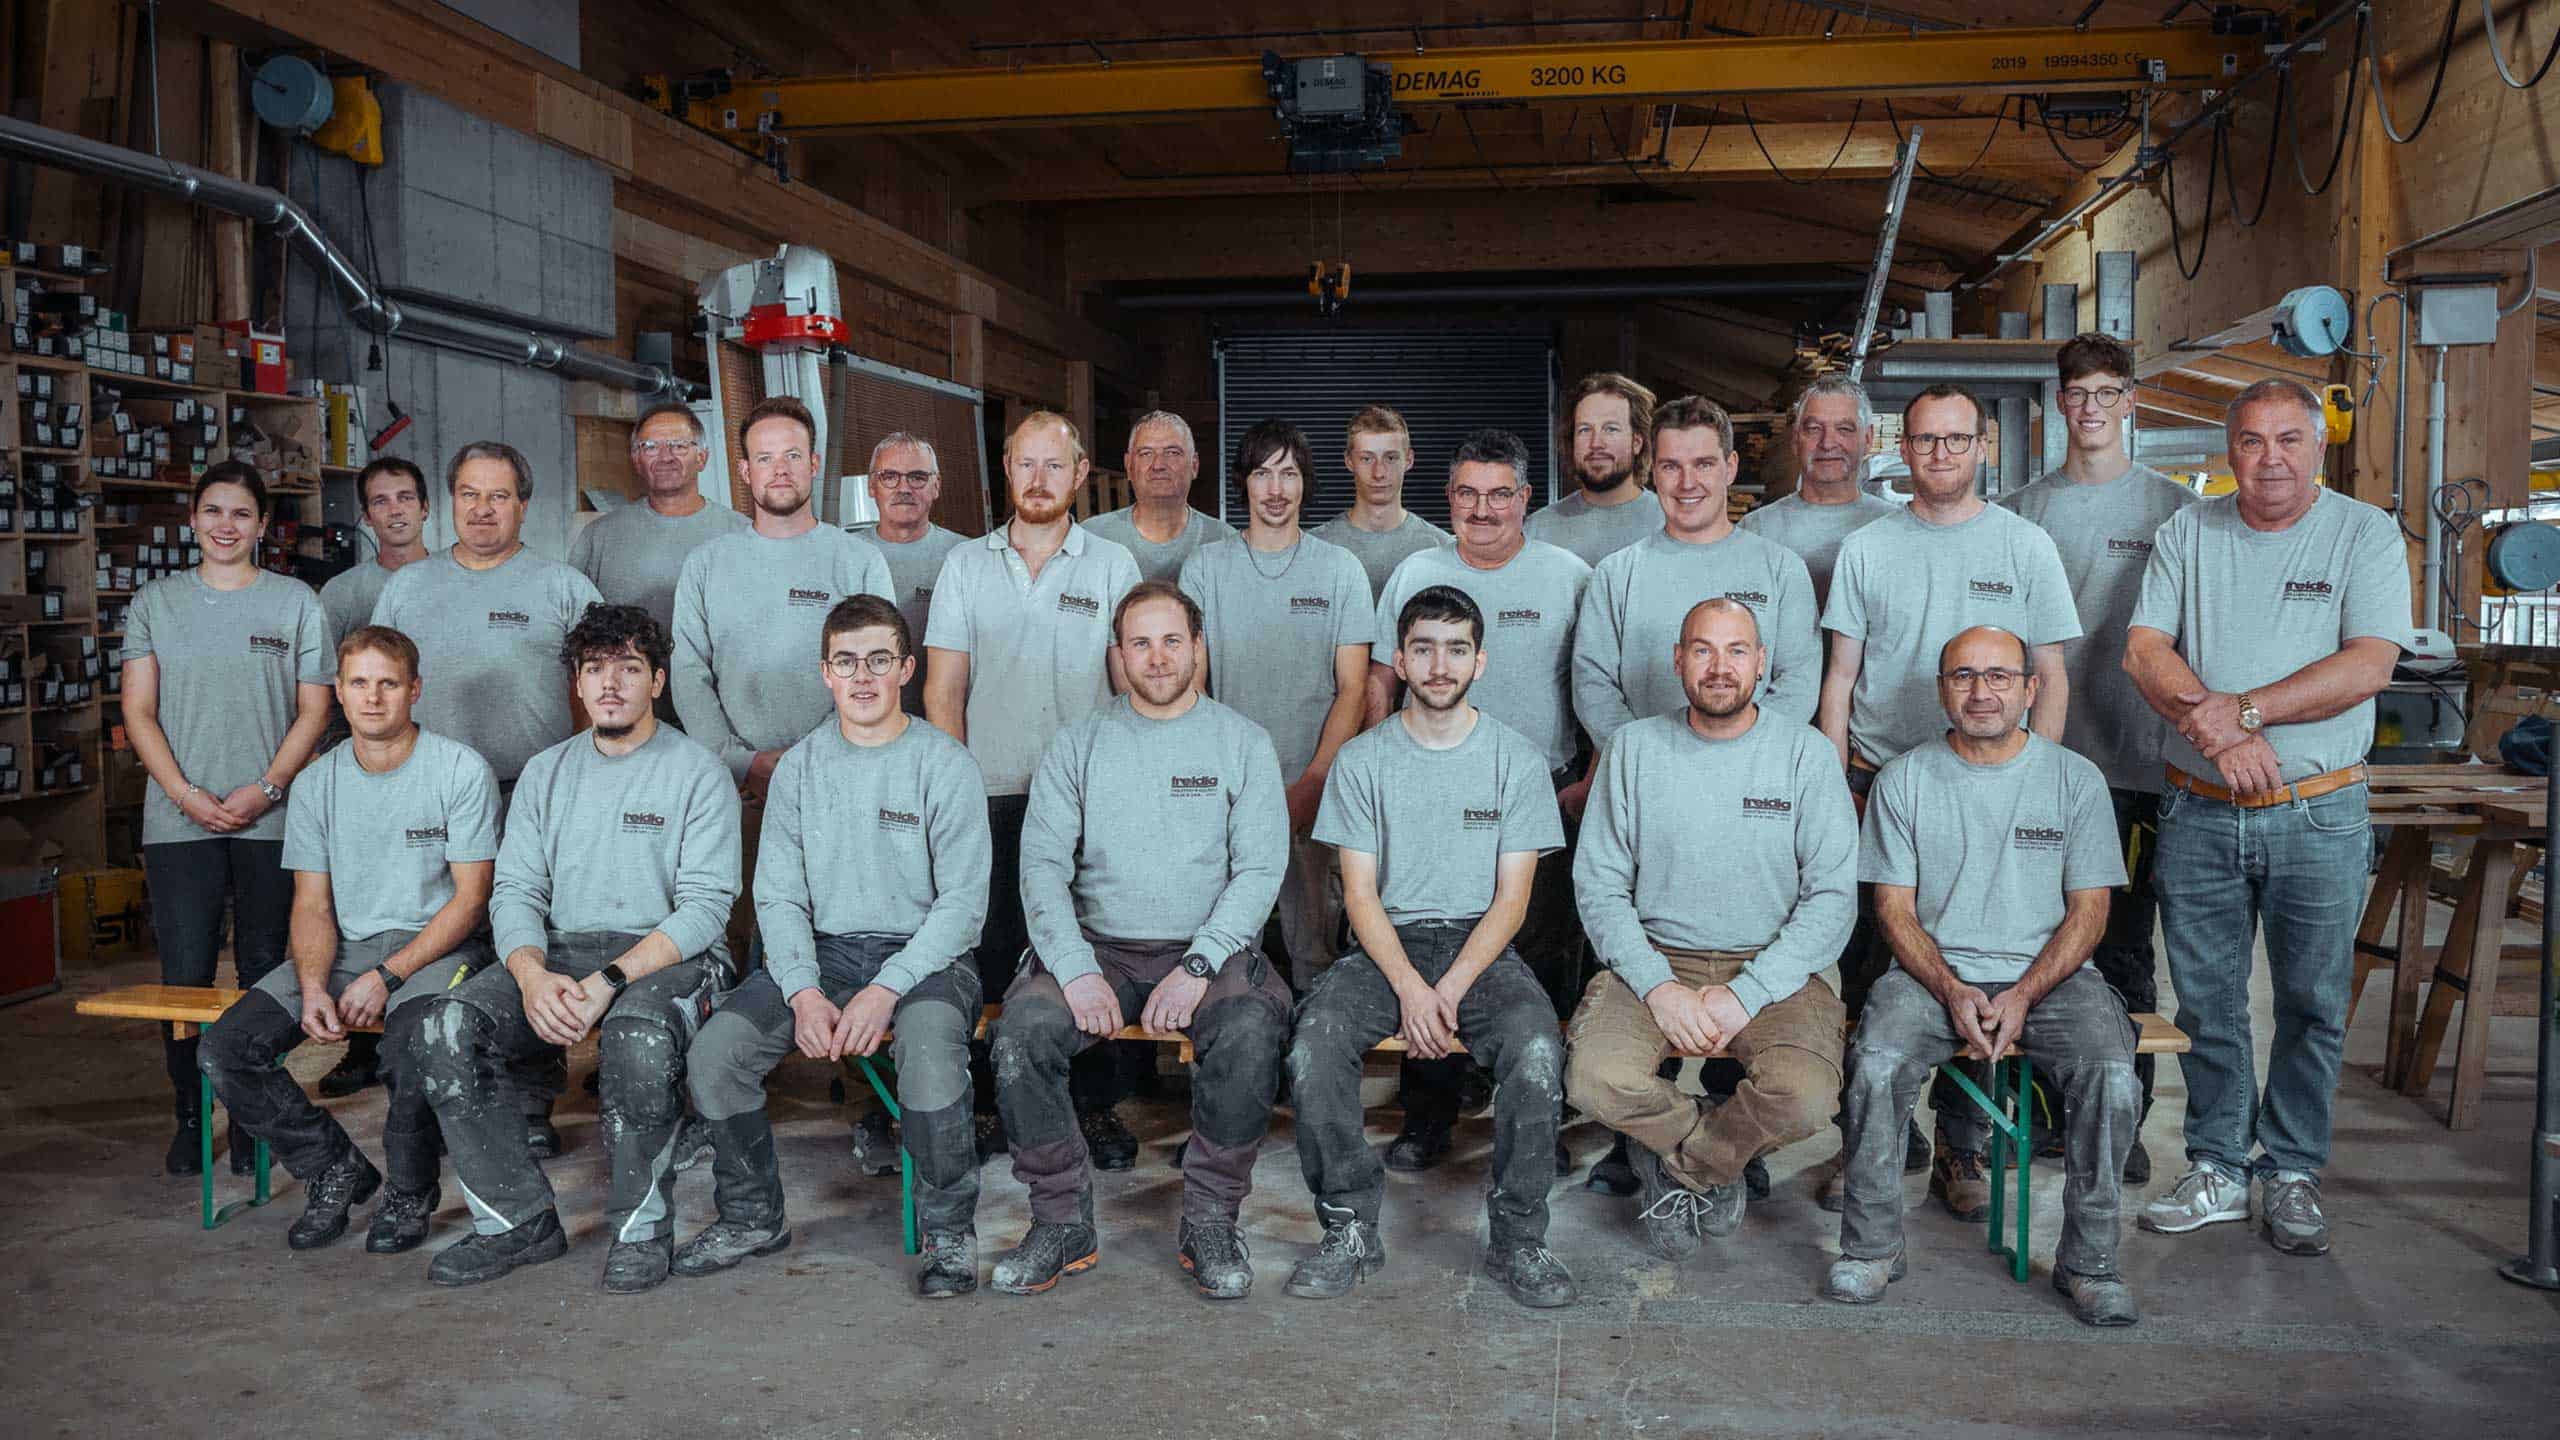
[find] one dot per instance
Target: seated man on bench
(1992, 851)
(1718, 881)
(1151, 857)
(613, 890)
(870, 887)
(1439, 815)
(390, 838)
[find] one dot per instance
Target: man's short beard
(1423, 698)
(797, 507)
(1742, 701)
(615, 732)
(1611, 481)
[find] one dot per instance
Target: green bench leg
(2012, 1154)
(204, 1154)
(906, 1162)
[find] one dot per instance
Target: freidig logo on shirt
(1480, 817)
(2317, 591)
(1768, 807)
(799, 596)
(1991, 589)
(1514, 619)
(1195, 785)
(510, 620)
(421, 837)
(1310, 604)
(2037, 837)
(2118, 545)
(1753, 598)
(275, 645)
(1084, 605)
(901, 820)
(643, 822)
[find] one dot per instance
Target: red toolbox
(30, 939)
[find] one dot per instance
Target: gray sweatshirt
(635, 555)
(749, 611)
(1146, 829)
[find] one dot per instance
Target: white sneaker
(2205, 1195)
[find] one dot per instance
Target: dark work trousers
(2123, 957)
(1236, 1038)
(189, 882)
(929, 1040)
(1506, 1021)
(472, 1040)
(1100, 1078)
(242, 1048)
(1864, 961)
(543, 1077)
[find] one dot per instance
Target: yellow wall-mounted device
(355, 121)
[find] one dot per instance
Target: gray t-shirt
(348, 599)
(2248, 608)
(1037, 648)
(905, 823)
(1439, 821)
(1624, 666)
(1597, 532)
(387, 841)
(1814, 532)
(1766, 814)
(1991, 849)
(231, 666)
(749, 612)
(634, 555)
(2104, 532)
(489, 650)
(1381, 551)
(913, 567)
(1529, 603)
(1144, 829)
(1273, 623)
(628, 843)
(1160, 562)
(1905, 587)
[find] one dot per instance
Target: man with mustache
(1607, 417)
(1159, 529)
(1378, 531)
(906, 483)
(635, 552)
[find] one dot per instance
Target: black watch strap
(1198, 966)
(614, 977)
(390, 981)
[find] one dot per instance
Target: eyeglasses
(902, 479)
(652, 449)
(2102, 396)
(878, 662)
(1470, 497)
(1998, 678)
(1955, 444)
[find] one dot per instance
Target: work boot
(1475, 1086)
(186, 1148)
(989, 1131)
(1861, 1282)
(1423, 1144)
(476, 1258)
(244, 1149)
(340, 1188)
(2137, 1164)
(1350, 1252)
(1723, 1212)
(541, 1137)
(1959, 1181)
(1049, 1250)
(1532, 1274)
(1671, 1212)
(723, 1243)
(875, 1143)
(2205, 1195)
(950, 1264)
(2289, 1202)
(1755, 1178)
(359, 1067)
(692, 1144)
(632, 1266)
(1106, 1140)
(1215, 1254)
(400, 1221)
(1613, 1173)
(2101, 1300)
(1915, 1148)
(1831, 1191)
(1564, 1159)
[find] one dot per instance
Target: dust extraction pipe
(425, 323)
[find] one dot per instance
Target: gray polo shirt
(1991, 849)
(348, 599)
(634, 556)
(231, 666)
(1143, 829)
(913, 567)
(2248, 608)
(489, 650)
(1160, 562)
(1529, 603)
(387, 841)
(1814, 532)
(1905, 587)
(1439, 821)
(2103, 532)
(1381, 551)
(1766, 814)
(749, 613)
(1623, 663)
(907, 821)
(1273, 623)
(1037, 648)
(1596, 532)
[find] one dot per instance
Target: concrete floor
(122, 1317)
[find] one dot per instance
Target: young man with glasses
(1378, 531)
(906, 480)
(2102, 508)
(1159, 528)
(635, 552)
(875, 797)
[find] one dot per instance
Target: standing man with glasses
(1159, 529)
(635, 552)
(906, 481)
(2269, 620)
(1378, 531)
(2102, 508)
(1607, 417)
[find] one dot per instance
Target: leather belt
(2309, 788)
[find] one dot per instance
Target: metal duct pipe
(1239, 299)
(1964, 371)
(423, 322)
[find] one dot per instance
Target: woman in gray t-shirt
(226, 693)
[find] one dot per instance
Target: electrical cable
(1482, 159)
(2346, 122)
(1845, 136)
(2444, 57)
(2169, 197)
(2231, 166)
(2498, 54)
(1998, 117)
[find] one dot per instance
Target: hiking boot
(186, 1149)
(1915, 1148)
(1959, 1181)
(477, 1258)
(2289, 1202)
(989, 1130)
(723, 1243)
(1049, 1250)
(950, 1264)
(1722, 1214)
(875, 1143)
(2101, 1300)
(1755, 1178)
(1107, 1141)
(340, 1188)
(1673, 1214)
(1475, 1086)
(400, 1221)
(244, 1149)
(541, 1137)
(692, 1144)
(2205, 1195)
(632, 1266)
(359, 1067)
(1861, 1282)
(1613, 1173)
(1350, 1252)
(1422, 1144)
(1831, 1191)
(1215, 1254)
(2137, 1164)
(1532, 1274)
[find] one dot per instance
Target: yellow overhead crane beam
(1141, 91)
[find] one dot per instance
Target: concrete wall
(485, 216)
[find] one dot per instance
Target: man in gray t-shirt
(634, 553)
(906, 481)
(1815, 530)
(1606, 424)
(1159, 528)
(1379, 532)
(1379, 552)
(393, 492)
(1992, 852)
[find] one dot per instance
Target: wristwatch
(2250, 719)
(1196, 966)
(390, 982)
(614, 977)
(274, 793)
